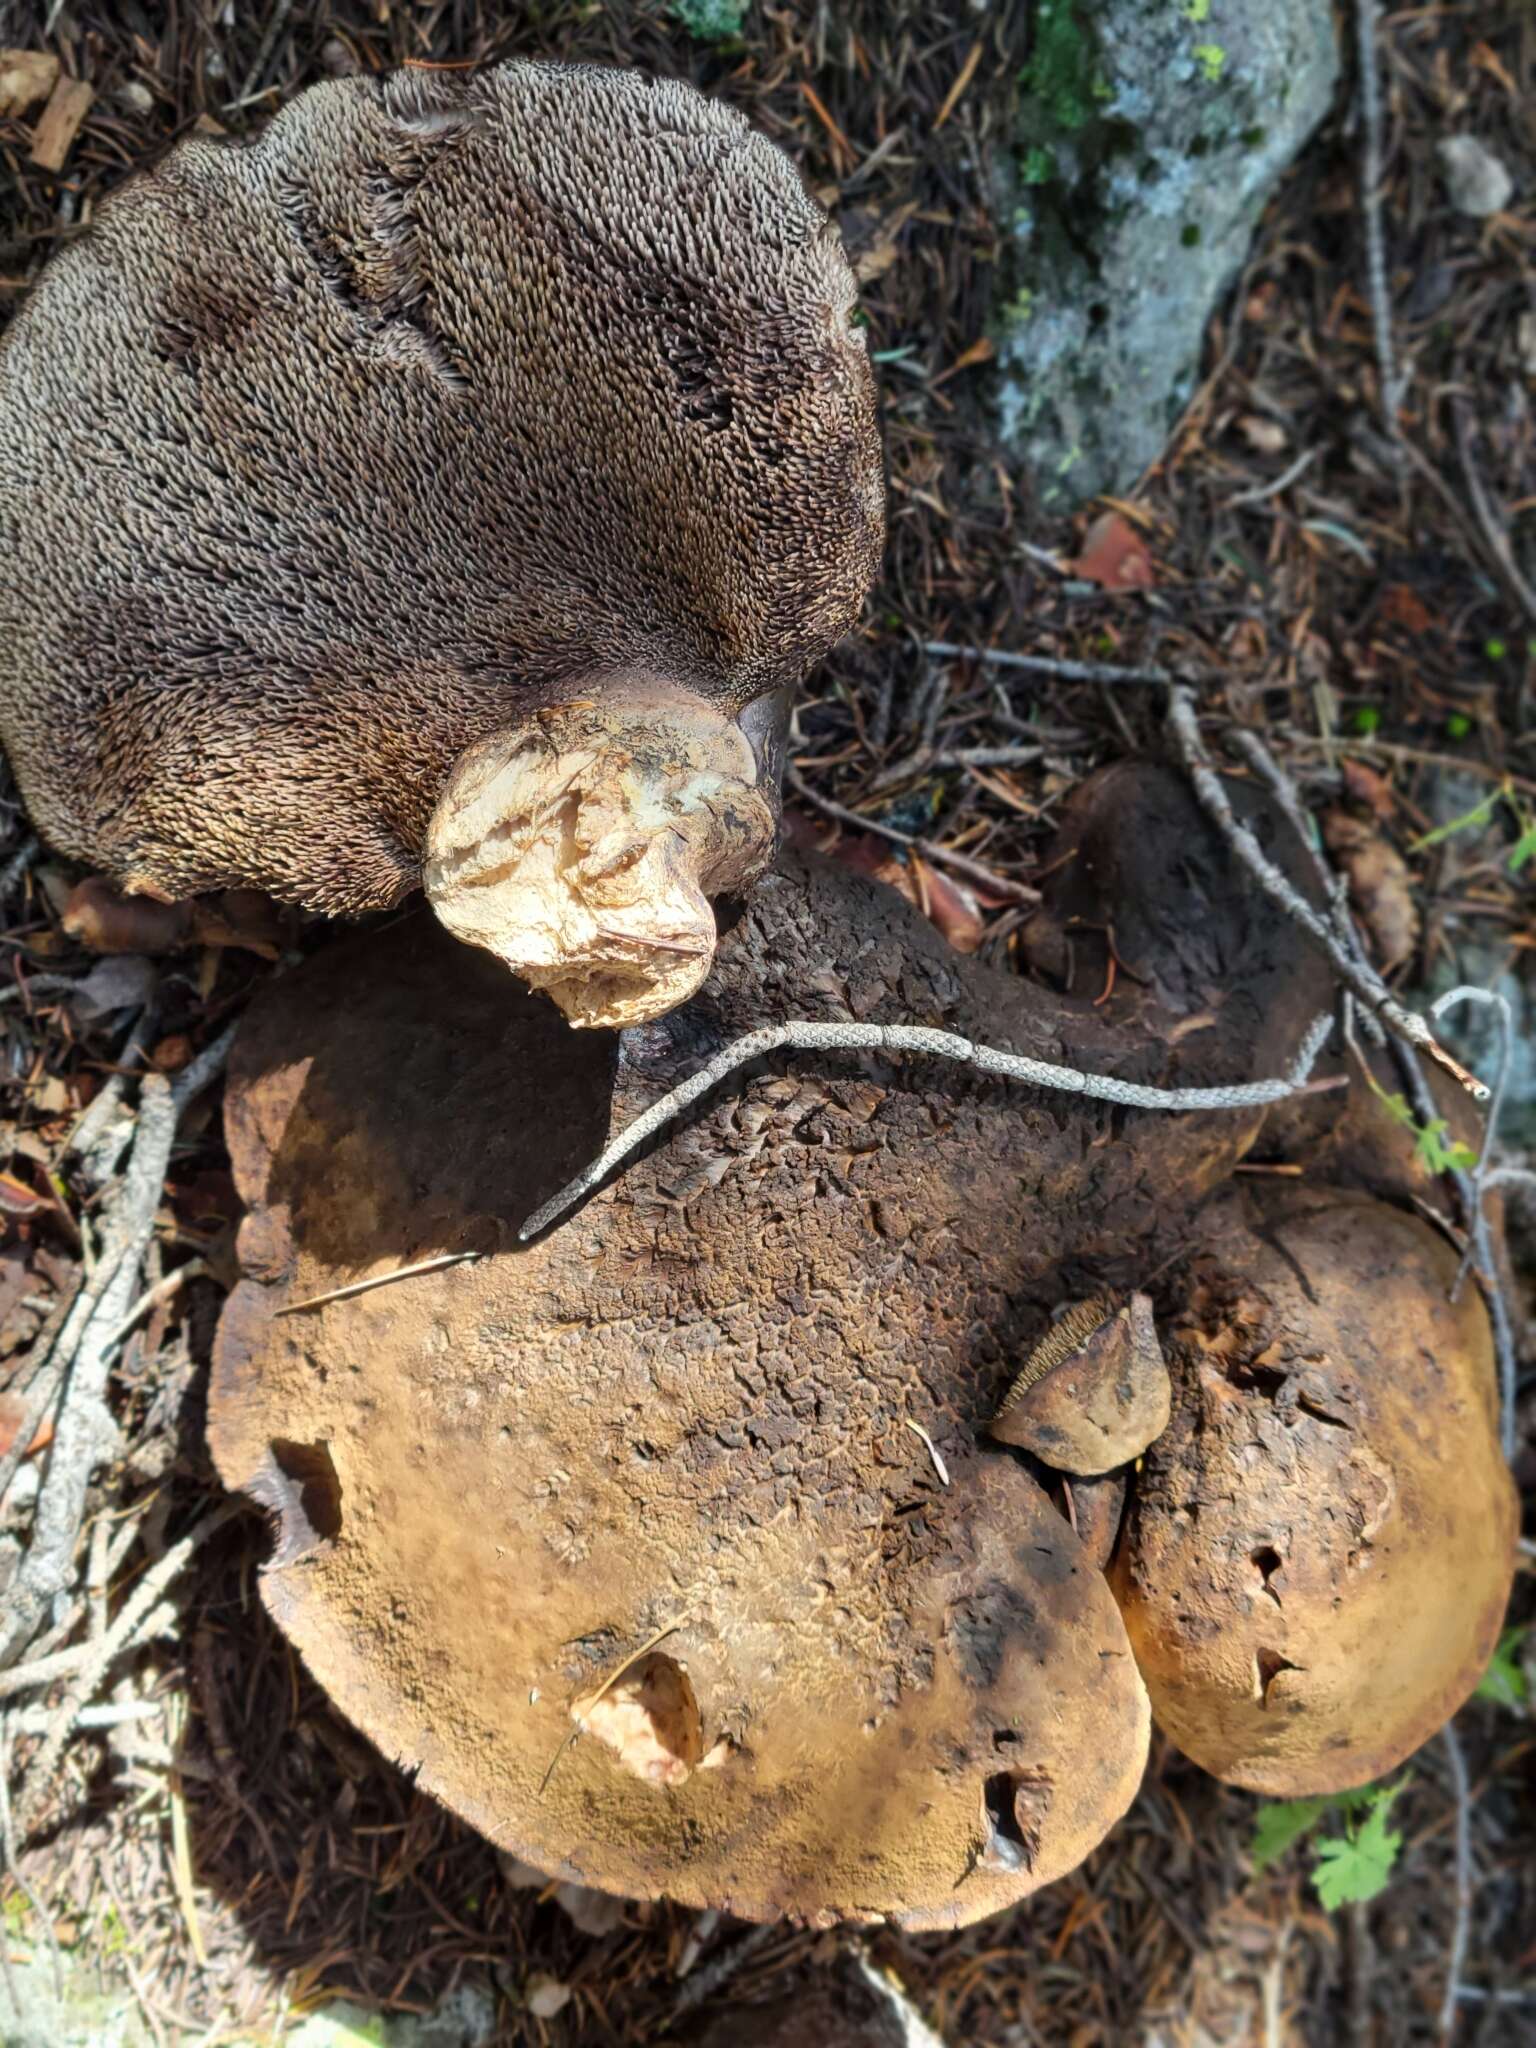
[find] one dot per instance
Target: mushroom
(633, 1543)
(1095, 1390)
(465, 471)
(1321, 1546)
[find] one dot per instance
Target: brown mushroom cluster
(801, 1526)
(368, 488)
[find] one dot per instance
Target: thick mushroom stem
(583, 848)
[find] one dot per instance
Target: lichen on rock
(1149, 136)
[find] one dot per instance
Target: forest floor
(1350, 588)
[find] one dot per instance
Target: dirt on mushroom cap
(1321, 1547)
(326, 455)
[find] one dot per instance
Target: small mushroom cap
(451, 396)
(1320, 1551)
(1094, 1391)
(649, 1482)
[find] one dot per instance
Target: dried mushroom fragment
(1094, 1391)
(449, 408)
(1321, 1546)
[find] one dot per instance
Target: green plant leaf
(1524, 849)
(1504, 1682)
(1279, 1824)
(1477, 816)
(1435, 1156)
(1356, 1866)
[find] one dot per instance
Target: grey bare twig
(1362, 980)
(1461, 1926)
(1047, 664)
(800, 1037)
(1472, 1188)
(100, 1654)
(1366, 22)
(87, 1346)
(941, 856)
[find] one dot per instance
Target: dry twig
(1362, 980)
(987, 1060)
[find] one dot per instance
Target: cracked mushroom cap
(1320, 1549)
(445, 401)
(649, 1483)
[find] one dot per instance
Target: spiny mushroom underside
(651, 1483)
(1320, 1548)
(448, 398)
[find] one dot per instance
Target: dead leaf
(1380, 885)
(120, 981)
(26, 79)
(19, 1200)
(1402, 606)
(949, 905)
(1364, 786)
(1114, 555)
(1265, 437)
(13, 1413)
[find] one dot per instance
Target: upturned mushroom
(460, 476)
(672, 1550)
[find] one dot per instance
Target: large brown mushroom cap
(685, 1411)
(660, 1477)
(1321, 1545)
(326, 456)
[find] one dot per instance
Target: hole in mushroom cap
(1267, 1561)
(649, 1718)
(1267, 1667)
(1014, 1806)
(299, 1486)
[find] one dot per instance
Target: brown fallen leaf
(1380, 885)
(1365, 787)
(26, 79)
(102, 918)
(1115, 556)
(1402, 606)
(949, 906)
(13, 1413)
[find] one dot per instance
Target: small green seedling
(1430, 1147)
(1347, 1868)
(710, 21)
(1504, 1683)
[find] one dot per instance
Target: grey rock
(1150, 135)
(1476, 182)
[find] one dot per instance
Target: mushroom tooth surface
(1321, 1545)
(328, 455)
